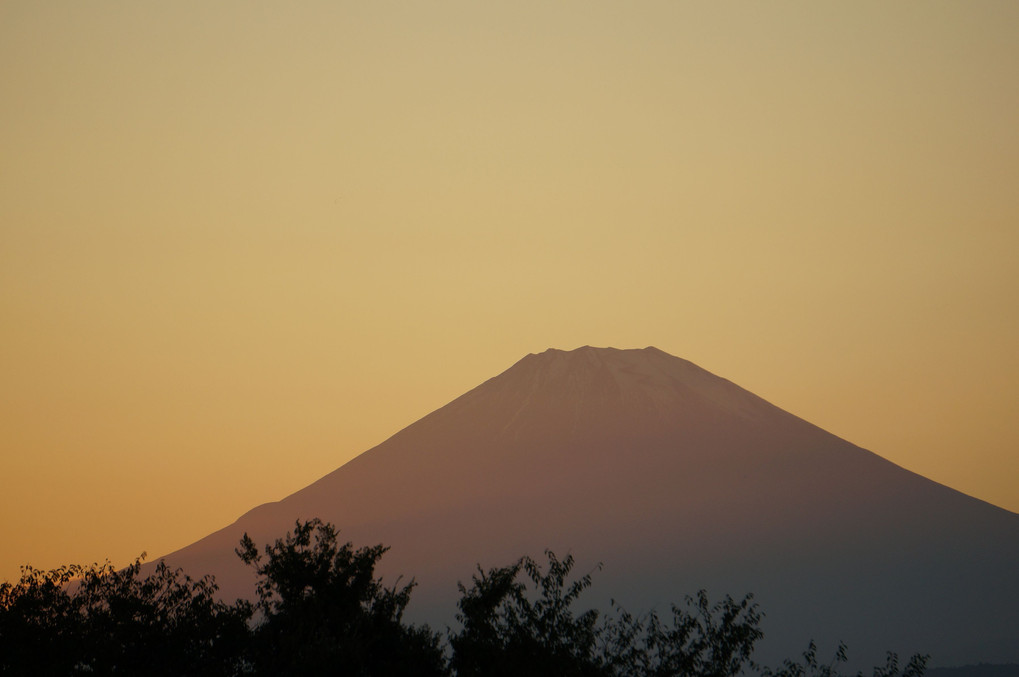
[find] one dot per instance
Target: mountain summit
(675, 480)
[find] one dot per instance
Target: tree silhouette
(39, 624)
(324, 612)
(701, 639)
(100, 620)
(320, 610)
(810, 667)
(505, 632)
(511, 630)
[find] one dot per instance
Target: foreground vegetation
(320, 610)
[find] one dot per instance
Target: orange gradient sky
(242, 242)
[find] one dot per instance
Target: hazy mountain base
(979, 670)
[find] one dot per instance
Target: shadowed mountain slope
(674, 479)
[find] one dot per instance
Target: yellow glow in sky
(242, 242)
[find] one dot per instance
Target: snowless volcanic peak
(649, 378)
(675, 480)
(593, 392)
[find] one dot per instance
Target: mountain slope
(675, 480)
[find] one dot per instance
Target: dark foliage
(511, 630)
(505, 632)
(98, 620)
(810, 667)
(322, 611)
(702, 639)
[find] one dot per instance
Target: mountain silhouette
(674, 480)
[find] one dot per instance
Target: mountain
(675, 480)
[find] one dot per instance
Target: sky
(242, 242)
